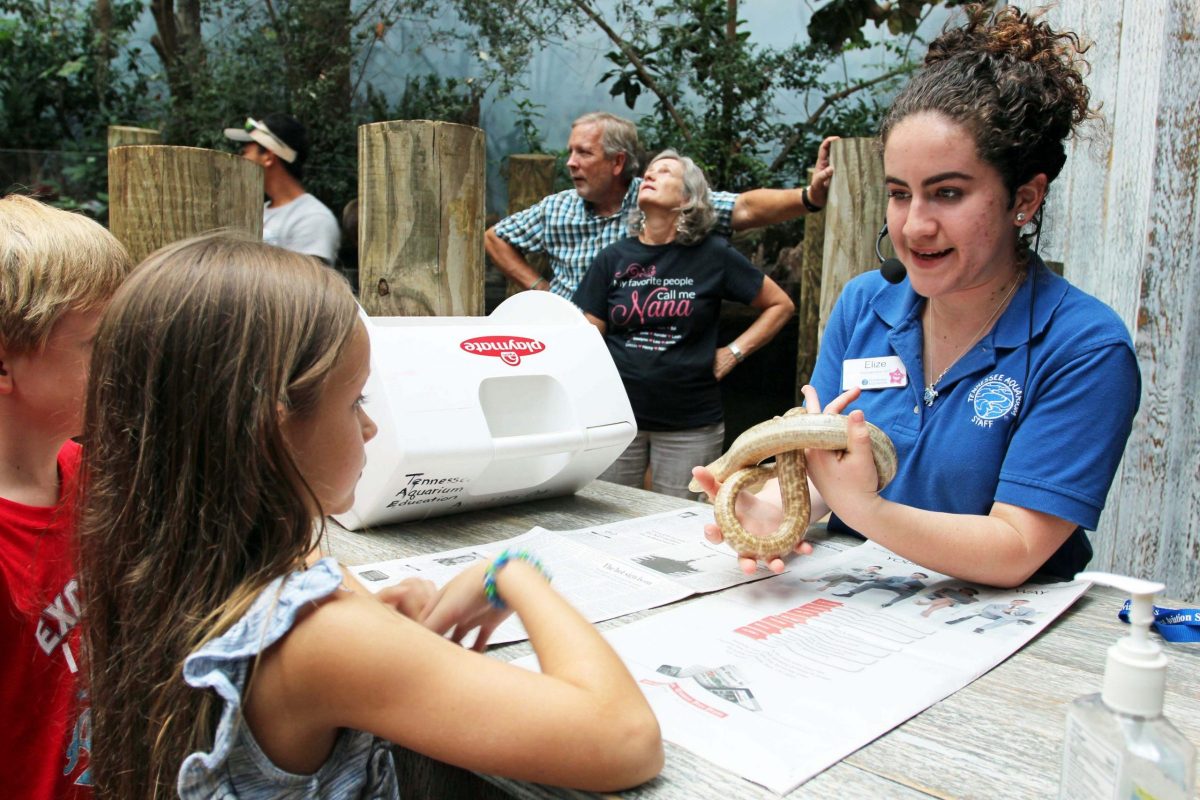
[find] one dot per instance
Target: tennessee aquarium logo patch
(995, 397)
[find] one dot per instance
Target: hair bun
(1022, 46)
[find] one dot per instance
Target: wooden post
(808, 305)
(1124, 218)
(120, 135)
(421, 218)
(530, 178)
(853, 216)
(160, 194)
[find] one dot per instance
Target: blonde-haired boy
(57, 273)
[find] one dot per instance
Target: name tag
(884, 372)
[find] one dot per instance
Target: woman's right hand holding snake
(846, 480)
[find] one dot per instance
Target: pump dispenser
(1118, 744)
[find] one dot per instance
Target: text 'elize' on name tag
(884, 372)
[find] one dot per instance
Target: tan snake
(785, 438)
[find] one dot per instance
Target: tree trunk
(102, 19)
(180, 48)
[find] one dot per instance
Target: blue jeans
(670, 456)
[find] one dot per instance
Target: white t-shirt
(304, 225)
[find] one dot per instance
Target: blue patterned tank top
(360, 765)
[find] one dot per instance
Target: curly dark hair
(1013, 82)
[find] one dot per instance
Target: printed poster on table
(780, 679)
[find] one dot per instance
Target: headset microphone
(892, 269)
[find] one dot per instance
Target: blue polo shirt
(1073, 413)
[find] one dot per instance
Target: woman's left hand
(723, 362)
(847, 479)
(759, 514)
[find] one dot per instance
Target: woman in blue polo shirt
(1019, 389)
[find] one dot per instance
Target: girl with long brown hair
(224, 421)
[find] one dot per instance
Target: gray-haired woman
(656, 297)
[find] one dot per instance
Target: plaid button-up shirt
(566, 228)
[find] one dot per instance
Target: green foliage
(60, 87)
(262, 58)
(841, 22)
(504, 35)
(55, 83)
(430, 97)
(528, 113)
(240, 75)
(717, 93)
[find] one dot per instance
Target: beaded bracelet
(489, 577)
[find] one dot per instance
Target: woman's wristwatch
(738, 355)
(812, 207)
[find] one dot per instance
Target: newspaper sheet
(605, 571)
(780, 679)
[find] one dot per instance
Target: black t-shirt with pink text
(661, 304)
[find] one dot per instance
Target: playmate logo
(508, 349)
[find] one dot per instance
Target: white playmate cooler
(481, 411)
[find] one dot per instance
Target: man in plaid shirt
(574, 225)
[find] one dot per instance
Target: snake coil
(786, 438)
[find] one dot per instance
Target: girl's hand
(759, 514)
(847, 479)
(461, 607)
(409, 597)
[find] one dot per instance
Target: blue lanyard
(1173, 624)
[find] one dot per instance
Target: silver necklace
(931, 392)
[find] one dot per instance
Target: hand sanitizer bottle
(1118, 744)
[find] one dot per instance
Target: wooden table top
(1000, 736)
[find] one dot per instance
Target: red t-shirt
(45, 735)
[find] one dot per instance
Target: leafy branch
(639, 67)
(828, 102)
